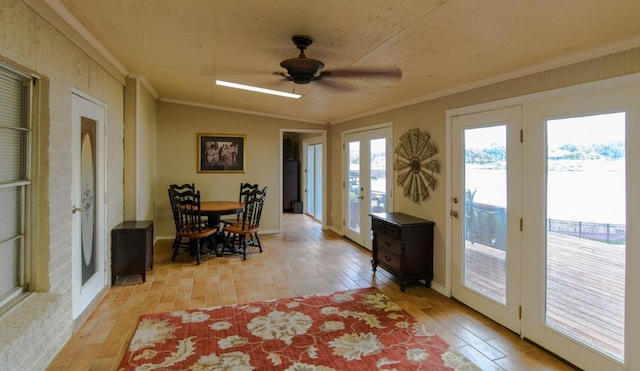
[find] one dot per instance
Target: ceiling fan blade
(389, 73)
(282, 74)
(333, 85)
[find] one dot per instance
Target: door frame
(99, 282)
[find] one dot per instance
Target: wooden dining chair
(244, 233)
(245, 190)
(190, 224)
(179, 242)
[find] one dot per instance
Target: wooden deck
(585, 287)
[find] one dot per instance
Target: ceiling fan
(303, 70)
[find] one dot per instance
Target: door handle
(75, 209)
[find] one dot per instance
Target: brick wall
(33, 332)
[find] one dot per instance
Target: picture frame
(221, 153)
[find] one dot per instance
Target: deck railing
(603, 232)
(487, 224)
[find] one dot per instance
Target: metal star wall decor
(415, 164)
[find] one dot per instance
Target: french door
(367, 180)
(486, 184)
(543, 218)
(87, 194)
(583, 165)
(313, 179)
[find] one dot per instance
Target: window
(15, 132)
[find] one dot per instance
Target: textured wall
(34, 331)
(178, 128)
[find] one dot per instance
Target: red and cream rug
(350, 330)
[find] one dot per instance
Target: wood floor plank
(301, 260)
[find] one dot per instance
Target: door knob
(75, 209)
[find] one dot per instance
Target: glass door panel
(354, 188)
(310, 203)
(317, 177)
(313, 180)
(586, 230)
(378, 185)
(485, 211)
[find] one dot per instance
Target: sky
(586, 130)
(596, 129)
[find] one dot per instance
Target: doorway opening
(303, 169)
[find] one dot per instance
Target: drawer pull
(387, 243)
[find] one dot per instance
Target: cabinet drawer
(392, 231)
(394, 246)
(378, 226)
(386, 229)
(389, 260)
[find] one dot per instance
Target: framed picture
(221, 153)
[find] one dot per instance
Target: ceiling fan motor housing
(302, 70)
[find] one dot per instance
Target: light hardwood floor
(301, 260)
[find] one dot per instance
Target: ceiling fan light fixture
(257, 89)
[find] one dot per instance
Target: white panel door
(87, 195)
(580, 244)
(486, 211)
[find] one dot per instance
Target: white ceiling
(441, 46)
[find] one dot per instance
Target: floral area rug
(350, 330)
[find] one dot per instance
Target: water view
(574, 184)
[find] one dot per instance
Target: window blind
(14, 132)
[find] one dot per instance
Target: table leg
(218, 237)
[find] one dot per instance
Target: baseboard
(440, 289)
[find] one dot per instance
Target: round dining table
(213, 210)
(221, 207)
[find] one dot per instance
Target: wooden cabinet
(403, 246)
(131, 249)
